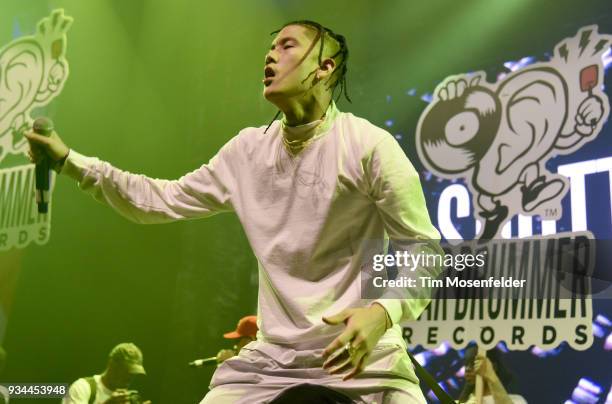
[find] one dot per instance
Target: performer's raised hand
(350, 350)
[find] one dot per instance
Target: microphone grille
(43, 126)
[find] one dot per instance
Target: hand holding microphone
(46, 151)
(221, 357)
(45, 143)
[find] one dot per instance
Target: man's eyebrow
(283, 40)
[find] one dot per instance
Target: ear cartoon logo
(499, 136)
(33, 70)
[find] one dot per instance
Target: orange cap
(247, 327)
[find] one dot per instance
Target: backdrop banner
(34, 69)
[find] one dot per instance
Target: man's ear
(326, 69)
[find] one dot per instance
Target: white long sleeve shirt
(310, 218)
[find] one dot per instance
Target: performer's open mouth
(268, 76)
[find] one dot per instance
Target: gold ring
(350, 349)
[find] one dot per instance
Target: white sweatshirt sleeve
(200, 193)
(395, 188)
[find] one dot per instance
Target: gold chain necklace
(296, 146)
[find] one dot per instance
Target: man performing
(314, 191)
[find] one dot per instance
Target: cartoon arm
(589, 114)
(51, 34)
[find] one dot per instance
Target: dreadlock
(338, 76)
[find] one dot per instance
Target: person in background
(125, 362)
(245, 332)
(495, 376)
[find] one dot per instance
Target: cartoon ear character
(499, 136)
(33, 70)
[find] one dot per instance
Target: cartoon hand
(589, 114)
(52, 29)
(56, 76)
(453, 89)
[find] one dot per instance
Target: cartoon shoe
(493, 219)
(540, 191)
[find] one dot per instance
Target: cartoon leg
(494, 214)
(537, 188)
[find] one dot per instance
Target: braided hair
(337, 80)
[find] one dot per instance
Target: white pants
(261, 371)
(235, 394)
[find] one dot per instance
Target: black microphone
(43, 126)
(198, 363)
